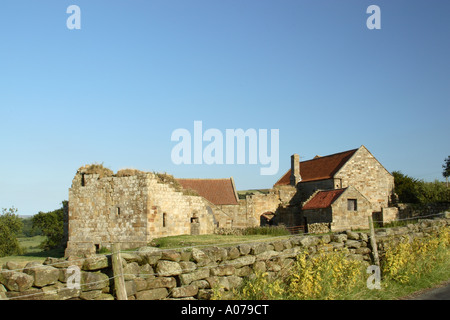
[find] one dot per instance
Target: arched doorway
(266, 219)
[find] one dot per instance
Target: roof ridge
(321, 168)
(330, 155)
(340, 189)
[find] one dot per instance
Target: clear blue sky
(115, 90)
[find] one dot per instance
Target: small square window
(352, 205)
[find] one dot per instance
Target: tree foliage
(10, 227)
(446, 167)
(52, 226)
(405, 188)
(429, 192)
(28, 230)
(411, 190)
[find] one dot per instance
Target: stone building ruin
(329, 193)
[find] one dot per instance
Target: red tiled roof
(323, 199)
(216, 191)
(319, 168)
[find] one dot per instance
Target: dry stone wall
(192, 273)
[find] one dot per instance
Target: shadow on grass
(54, 253)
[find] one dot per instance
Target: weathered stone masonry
(133, 210)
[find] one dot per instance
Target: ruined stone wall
(287, 194)
(132, 210)
(173, 213)
(388, 215)
(258, 204)
(369, 177)
(248, 212)
(234, 216)
(153, 274)
(106, 210)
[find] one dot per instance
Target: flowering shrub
(328, 275)
(324, 276)
(406, 266)
(407, 259)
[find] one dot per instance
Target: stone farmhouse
(132, 207)
(340, 191)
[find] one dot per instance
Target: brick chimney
(295, 169)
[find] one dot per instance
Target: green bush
(406, 188)
(266, 230)
(431, 192)
(52, 226)
(28, 230)
(411, 190)
(10, 226)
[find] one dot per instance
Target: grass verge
(207, 240)
(33, 251)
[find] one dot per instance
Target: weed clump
(127, 172)
(170, 180)
(96, 168)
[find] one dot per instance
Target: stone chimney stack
(295, 169)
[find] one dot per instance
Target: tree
(10, 226)
(52, 226)
(406, 188)
(410, 190)
(446, 167)
(432, 192)
(28, 230)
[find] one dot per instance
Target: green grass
(33, 251)
(267, 230)
(31, 244)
